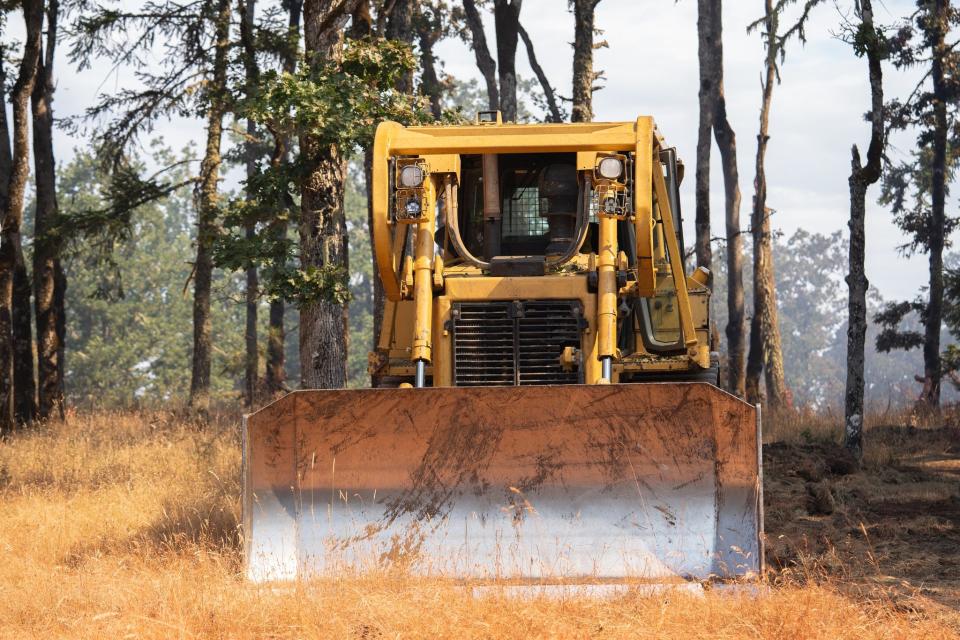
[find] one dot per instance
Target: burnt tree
(867, 41)
(584, 76)
(766, 354)
(713, 118)
(430, 23)
(506, 20)
(708, 20)
(481, 51)
(554, 113)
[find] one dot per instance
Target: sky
(651, 69)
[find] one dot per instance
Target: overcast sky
(651, 68)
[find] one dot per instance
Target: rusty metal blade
(649, 481)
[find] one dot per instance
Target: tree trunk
(47, 245)
(276, 373)
(710, 28)
(861, 177)
(485, 62)
(708, 20)
(60, 305)
(930, 397)
(275, 380)
(428, 34)
(857, 285)
(323, 228)
(506, 19)
(323, 243)
(11, 251)
(24, 383)
(583, 75)
(206, 198)
(774, 380)
(765, 352)
(736, 314)
(251, 369)
(400, 27)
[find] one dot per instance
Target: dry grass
(117, 526)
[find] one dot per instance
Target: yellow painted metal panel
(443, 163)
(442, 344)
(380, 196)
(493, 288)
(643, 208)
(590, 136)
(586, 160)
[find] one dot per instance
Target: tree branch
(485, 61)
(548, 92)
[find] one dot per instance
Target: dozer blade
(597, 483)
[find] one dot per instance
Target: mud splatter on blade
(650, 481)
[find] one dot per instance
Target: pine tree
(916, 189)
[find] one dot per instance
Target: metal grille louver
(514, 343)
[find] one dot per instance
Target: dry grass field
(125, 526)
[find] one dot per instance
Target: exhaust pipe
(492, 214)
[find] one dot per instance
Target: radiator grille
(514, 343)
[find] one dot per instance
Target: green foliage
(129, 329)
(867, 38)
(891, 336)
(331, 103)
(169, 44)
(907, 189)
(338, 102)
(304, 286)
(909, 186)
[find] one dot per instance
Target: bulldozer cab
(547, 405)
(586, 214)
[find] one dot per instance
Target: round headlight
(610, 168)
(411, 176)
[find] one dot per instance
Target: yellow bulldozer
(547, 406)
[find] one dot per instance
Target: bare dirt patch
(892, 527)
